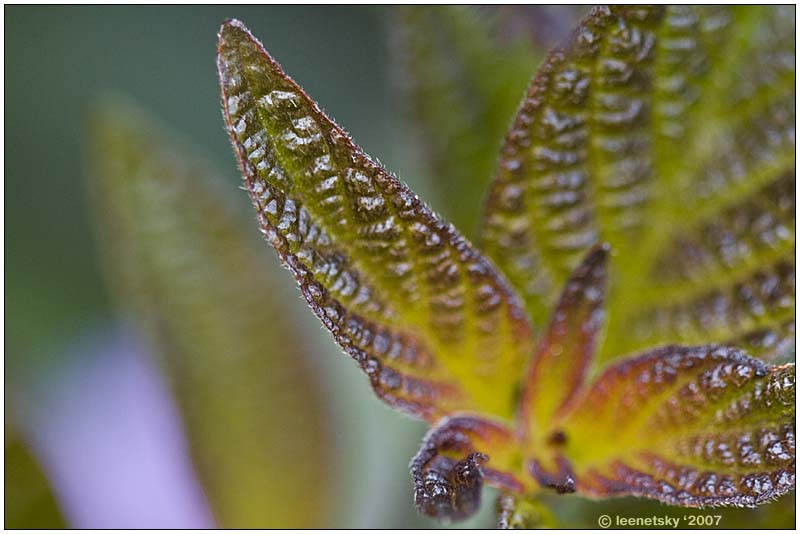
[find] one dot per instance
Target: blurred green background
(59, 60)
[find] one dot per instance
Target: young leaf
(449, 472)
(186, 270)
(689, 426)
(629, 136)
(461, 84)
(568, 346)
(693, 426)
(427, 317)
(373, 262)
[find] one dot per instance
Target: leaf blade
(30, 500)
(627, 136)
(565, 351)
(692, 426)
(411, 280)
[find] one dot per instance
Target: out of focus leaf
(462, 83)
(185, 268)
(426, 316)
(29, 499)
(668, 132)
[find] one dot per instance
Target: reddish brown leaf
(428, 317)
(693, 426)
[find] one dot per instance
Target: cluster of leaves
(626, 137)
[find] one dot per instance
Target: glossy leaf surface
(689, 426)
(427, 317)
(185, 268)
(629, 136)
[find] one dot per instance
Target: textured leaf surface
(182, 265)
(426, 316)
(462, 82)
(668, 132)
(449, 469)
(694, 426)
(689, 426)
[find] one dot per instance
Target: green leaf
(693, 426)
(690, 426)
(185, 268)
(669, 133)
(586, 159)
(562, 359)
(428, 318)
(461, 82)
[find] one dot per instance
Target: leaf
(343, 225)
(629, 136)
(689, 426)
(693, 426)
(461, 82)
(184, 268)
(426, 316)
(565, 351)
(448, 472)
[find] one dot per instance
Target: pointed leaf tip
(231, 27)
(566, 350)
(427, 316)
